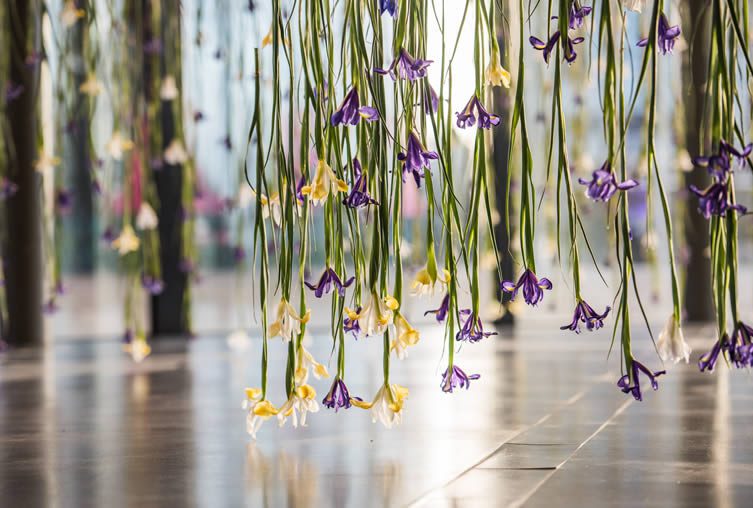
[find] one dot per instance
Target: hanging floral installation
(372, 128)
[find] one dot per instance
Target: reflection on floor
(544, 426)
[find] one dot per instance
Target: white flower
(71, 14)
(146, 218)
(46, 162)
(91, 86)
(288, 322)
(671, 343)
(118, 145)
(375, 316)
(387, 406)
(423, 283)
(634, 5)
(271, 207)
(168, 90)
(175, 154)
(138, 348)
(238, 340)
(325, 182)
(405, 336)
(258, 410)
(127, 241)
(305, 361)
(303, 401)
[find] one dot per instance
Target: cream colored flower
(168, 89)
(46, 162)
(375, 316)
(118, 145)
(127, 241)
(175, 154)
(423, 284)
(271, 207)
(671, 344)
(258, 410)
(146, 218)
(305, 362)
(303, 401)
(288, 322)
(138, 348)
(91, 86)
(71, 14)
(267, 40)
(387, 406)
(634, 5)
(325, 183)
(405, 336)
(496, 75)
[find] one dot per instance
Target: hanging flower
(359, 192)
(306, 363)
(350, 323)
(325, 183)
(138, 348)
(375, 316)
(473, 329)
(91, 87)
(708, 360)
(424, 283)
(70, 14)
(635, 388)
(387, 406)
(168, 90)
(258, 410)
(741, 346)
(441, 313)
(716, 200)
(46, 162)
(7, 188)
(671, 344)
(175, 154)
(302, 401)
(118, 145)
(404, 66)
(270, 207)
(720, 164)
(288, 322)
(338, 396)
(146, 218)
(496, 75)
(127, 241)
(13, 91)
(267, 40)
(154, 285)
(405, 336)
(350, 111)
(666, 34)
(329, 279)
(547, 47)
(533, 287)
(416, 158)
(388, 6)
(455, 377)
(578, 14)
(586, 314)
(603, 184)
(63, 201)
(467, 118)
(634, 5)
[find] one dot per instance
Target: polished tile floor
(80, 426)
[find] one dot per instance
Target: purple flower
(586, 314)
(326, 281)
(198, 116)
(741, 348)
(239, 253)
(359, 192)
(707, 362)
(7, 188)
(13, 91)
(63, 201)
(456, 377)
(430, 103)
(473, 329)
(404, 66)
(299, 190)
(351, 325)
(441, 313)
(467, 118)
(667, 36)
(635, 389)
(152, 284)
(715, 200)
(548, 47)
(153, 46)
(719, 165)
(416, 158)
(338, 396)
(603, 184)
(533, 287)
(50, 306)
(577, 15)
(389, 6)
(351, 111)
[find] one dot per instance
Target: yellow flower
(91, 86)
(267, 40)
(118, 145)
(496, 75)
(127, 241)
(270, 207)
(387, 405)
(71, 14)
(168, 89)
(325, 182)
(303, 401)
(138, 348)
(288, 322)
(306, 361)
(258, 410)
(423, 284)
(46, 162)
(405, 336)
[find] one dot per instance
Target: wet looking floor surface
(545, 425)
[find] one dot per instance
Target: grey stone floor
(80, 425)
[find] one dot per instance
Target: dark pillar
(24, 271)
(696, 18)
